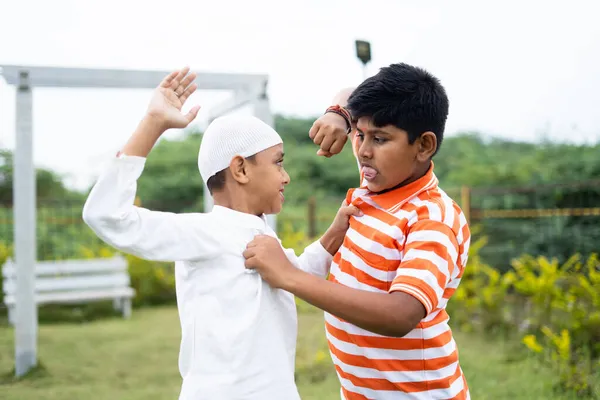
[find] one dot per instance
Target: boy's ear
(427, 146)
(239, 169)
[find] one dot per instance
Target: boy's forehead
(274, 151)
(365, 124)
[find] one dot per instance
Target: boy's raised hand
(168, 99)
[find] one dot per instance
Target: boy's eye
(378, 139)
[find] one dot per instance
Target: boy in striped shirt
(386, 294)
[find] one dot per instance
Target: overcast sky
(516, 69)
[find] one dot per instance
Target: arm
(394, 314)
(415, 292)
(110, 212)
(109, 209)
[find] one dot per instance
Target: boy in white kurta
(238, 334)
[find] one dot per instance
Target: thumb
(191, 115)
(324, 153)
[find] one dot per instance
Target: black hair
(217, 181)
(407, 97)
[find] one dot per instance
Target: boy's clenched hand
(341, 222)
(329, 133)
(265, 255)
(334, 236)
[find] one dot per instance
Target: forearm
(381, 313)
(332, 240)
(144, 137)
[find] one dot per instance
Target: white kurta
(238, 333)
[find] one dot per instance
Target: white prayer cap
(230, 136)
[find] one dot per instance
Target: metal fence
(555, 220)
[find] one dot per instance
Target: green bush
(154, 282)
(554, 308)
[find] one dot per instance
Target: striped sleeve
(430, 256)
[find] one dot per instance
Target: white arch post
(248, 87)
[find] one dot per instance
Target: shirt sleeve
(152, 235)
(430, 256)
(315, 259)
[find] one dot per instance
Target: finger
(319, 137)
(353, 210)
(183, 87)
(314, 129)
(188, 92)
(327, 142)
(338, 145)
(191, 115)
(187, 80)
(248, 253)
(344, 204)
(250, 263)
(166, 82)
(179, 77)
(327, 154)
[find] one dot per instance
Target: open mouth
(281, 195)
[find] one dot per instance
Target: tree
(49, 185)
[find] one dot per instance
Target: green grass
(109, 359)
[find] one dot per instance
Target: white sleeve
(153, 235)
(315, 259)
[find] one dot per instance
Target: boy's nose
(365, 151)
(286, 177)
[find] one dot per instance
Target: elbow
(89, 217)
(400, 323)
(112, 230)
(92, 217)
(405, 328)
(398, 329)
(100, 219)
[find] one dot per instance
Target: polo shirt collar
(394, 199)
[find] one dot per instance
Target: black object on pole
(363, 51)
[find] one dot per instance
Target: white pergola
(248, 89)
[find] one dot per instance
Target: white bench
(74, 282)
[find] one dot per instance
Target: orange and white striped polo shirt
(414, 239)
